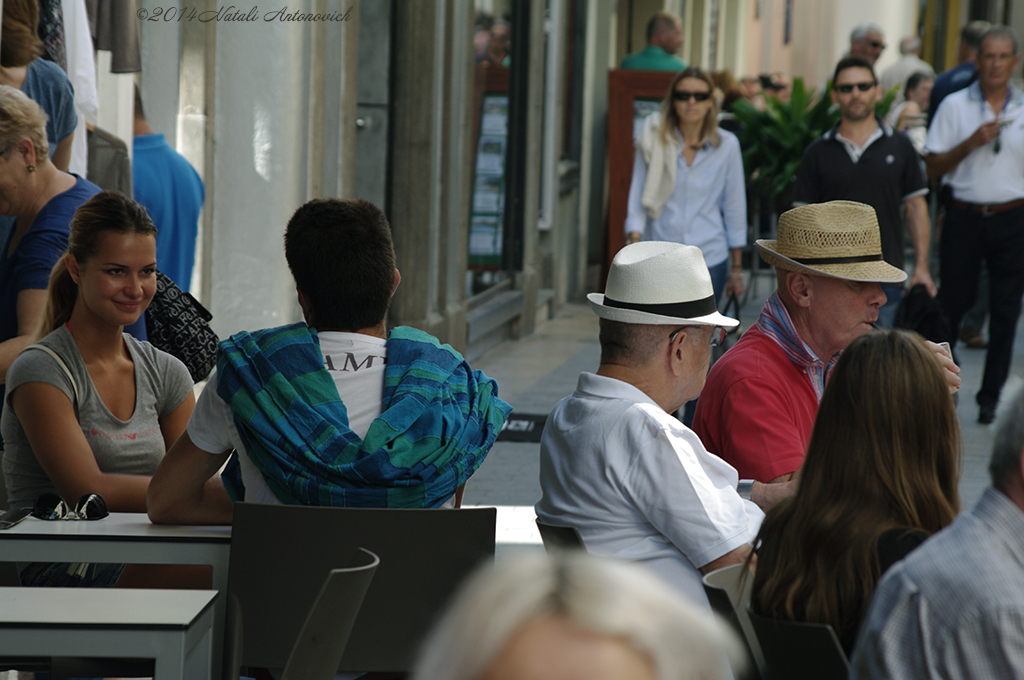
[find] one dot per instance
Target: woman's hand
(736, 285)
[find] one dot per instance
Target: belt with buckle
(987, 209)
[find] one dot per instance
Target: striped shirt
(777, 325)
(954, 608)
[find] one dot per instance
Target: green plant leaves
(775, 138)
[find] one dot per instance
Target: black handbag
(177, 324)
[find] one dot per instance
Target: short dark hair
(852, 62)
(661, 21)
(915, 79)
(342, 259)
(972, 32)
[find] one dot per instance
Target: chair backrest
(560, 537)
(323, 637)
(281, 554)
(729, 594)
(794, 650)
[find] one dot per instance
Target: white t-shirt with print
(355, 361)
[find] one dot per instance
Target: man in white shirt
(335, 410)
(976, 141)
(615, 464)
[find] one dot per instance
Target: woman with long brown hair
(688, 184)
(94, 410)
(880, 476)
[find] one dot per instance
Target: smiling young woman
(101, 422)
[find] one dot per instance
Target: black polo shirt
(885, 175)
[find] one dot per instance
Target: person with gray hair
(909, 63)
(867, 40)
(954, 608)
(573, 615)
(615, 463)
(975, 144)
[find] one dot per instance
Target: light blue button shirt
(708, 206)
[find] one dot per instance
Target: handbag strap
(63, 366)
(732, 303)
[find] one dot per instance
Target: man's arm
(732, 557)
(765, 496)
(920, 235)
(185, 488)
(938, 164)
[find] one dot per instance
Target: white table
(172, 627)
(128, 538)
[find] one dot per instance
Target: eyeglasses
(877, 45)
(9, 147)
(50, 506)
(717, 334)
(848, 87)
(684, 96)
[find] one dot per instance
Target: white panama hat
(659, 283)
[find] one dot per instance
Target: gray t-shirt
(133, 446)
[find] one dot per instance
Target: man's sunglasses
(877, 45)
(50, 506)
(683, 96)
(848, 88)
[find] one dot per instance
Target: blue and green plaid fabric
(439, 419)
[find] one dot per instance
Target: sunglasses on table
(848, 87)
(717, 335)
(50, 506)
(684, 96)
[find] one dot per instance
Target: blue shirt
(948, 82)
(708, 205)
(172, 192)
(46, 240)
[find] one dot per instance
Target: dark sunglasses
(683, 96)
(50, 506)
(848, 88)
(877, 45)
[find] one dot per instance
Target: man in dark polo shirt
(863, 159)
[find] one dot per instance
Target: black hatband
(685, 310)
(838, 260)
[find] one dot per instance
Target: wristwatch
(744, 488)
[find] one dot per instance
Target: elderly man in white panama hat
(758, 408)
(614, 462)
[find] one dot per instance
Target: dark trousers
(969, 238)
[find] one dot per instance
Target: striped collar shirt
(776, 323)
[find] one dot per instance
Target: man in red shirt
(759, 402)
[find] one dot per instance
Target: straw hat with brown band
(839, 239)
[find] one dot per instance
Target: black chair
(424, 556)
(794, 650)
(560, 537)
